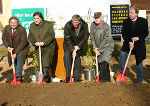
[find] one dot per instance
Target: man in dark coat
(75, 36)
(15, 39)
(134, 29)
(42, 34)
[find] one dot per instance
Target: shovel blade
(97, 78)
(121, 78)
(41, 80)
(70, 80)
(15, 82)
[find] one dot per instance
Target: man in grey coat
(103, 45)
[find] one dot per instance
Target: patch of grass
(148, 48)
(31, 52)
(1, 27)
(116, 51)
(117, 47)
(3, 52)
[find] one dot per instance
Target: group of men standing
(76, 34)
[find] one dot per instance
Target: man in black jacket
(75, 36)
(134, 29)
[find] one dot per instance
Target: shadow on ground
(1, 68)
(131, 75)
(8, 75)
(146, 72)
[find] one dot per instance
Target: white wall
(70, 7)
(66, 8)
(142, 13)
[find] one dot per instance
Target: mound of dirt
(75, 94)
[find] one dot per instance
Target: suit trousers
(104, 72)
(68, 64)
(18, 66)
(139, 64)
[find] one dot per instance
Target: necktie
(133, 22)
(76, 29)
(13, 33)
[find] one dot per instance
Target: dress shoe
(46, 79)
(19, 78)
(66, 81)
(77, 80)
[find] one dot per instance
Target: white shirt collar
(135, 19)
(13, 29)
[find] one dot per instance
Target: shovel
(97, 74)
(122, 77)
(15, 81)
(41, 73)
(71, 75)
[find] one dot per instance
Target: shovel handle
(40, 59)
(127, 60)
(96, 66)
(97, 74)
(12, 60)
(71, 74)
(72, 66)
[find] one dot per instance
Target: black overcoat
(71, 39)
(140, 30)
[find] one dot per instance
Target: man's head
(98, 17)
(133, 12)
(76, 20)
(37, 17)
(14, 22)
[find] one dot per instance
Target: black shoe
(77, 80)
(46, 79)
(106, 81)
(66, 81)
(19, 78)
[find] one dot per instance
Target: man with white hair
(103, 45)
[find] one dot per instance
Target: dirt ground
(86, 93)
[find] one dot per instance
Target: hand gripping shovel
(71, 75)
(97, 73)
(41, 74)
(15, 81)
(122, 77)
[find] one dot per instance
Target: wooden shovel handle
(40, 60)
(12, 60)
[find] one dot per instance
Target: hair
(76, 17)
(39, 14)
(14, 17)
(135, 8)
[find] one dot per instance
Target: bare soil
(85, 93)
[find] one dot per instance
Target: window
(1, 6)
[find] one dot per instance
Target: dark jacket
(19, 42)
(43, 33)
(140, 30)
(71, 39)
